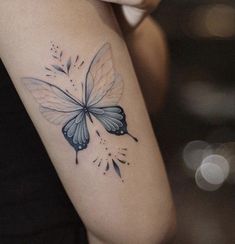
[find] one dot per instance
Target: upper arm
(126, 198)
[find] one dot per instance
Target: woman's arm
(149, 54)
(147, 47)
(117, 184)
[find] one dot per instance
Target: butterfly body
(103, 89)
(87, 112)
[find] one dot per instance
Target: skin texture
(139, 210)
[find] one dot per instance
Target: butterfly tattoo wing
(103, 90)
(103, 86)
(60, 108)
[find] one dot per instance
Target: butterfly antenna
(82, 93)
(76, 157)
(134, 138)
(75, 98)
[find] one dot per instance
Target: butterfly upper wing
(103, 86)
(56, 105)
(112, 95)
(57, 117)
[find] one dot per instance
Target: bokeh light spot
(193, 153)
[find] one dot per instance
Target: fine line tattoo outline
(112, 157)
(101, 92)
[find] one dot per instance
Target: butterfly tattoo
(101, 92)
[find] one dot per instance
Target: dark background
(200, 105)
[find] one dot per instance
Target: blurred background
(196, 129)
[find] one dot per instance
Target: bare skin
(138, 209)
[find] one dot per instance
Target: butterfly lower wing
(76, 132)
(113, 119)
